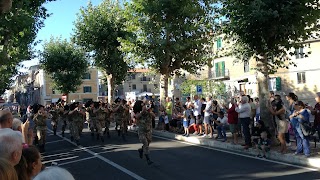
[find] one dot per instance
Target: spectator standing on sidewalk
(203, 107)
(279, 111)
(233, 120)
(244, 110)
(291, 98)
(207, 118)
(257, 109)
(300, 115)
(168, 107)
(196, 105)
(316, 112)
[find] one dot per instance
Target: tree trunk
(163, 87)
(263, 82)
(5, 5)
(110, 88)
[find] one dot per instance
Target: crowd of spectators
(19, 159)
(241, 116)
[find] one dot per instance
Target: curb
(313, 162)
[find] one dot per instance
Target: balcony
(220, 74)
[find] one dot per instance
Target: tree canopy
(268, 31)
(98, 29)
(65, 63)
(170, 35)
(18, 30)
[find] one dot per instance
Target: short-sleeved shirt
(169, 108)
(223, 120)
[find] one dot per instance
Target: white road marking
(238, 154)
(126, 171)
(70, 162)
(54, 141)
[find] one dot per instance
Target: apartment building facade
(240, 77)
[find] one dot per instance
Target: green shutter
(216, 65)
(223, 68)
(278, 83)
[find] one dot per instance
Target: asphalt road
(116, 159)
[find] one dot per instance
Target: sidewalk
(313, 161)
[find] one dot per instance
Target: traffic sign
(199, 89)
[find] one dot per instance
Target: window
(299, 53)
(133, 76)
(144, 78)
(246, 67)
(220, 69)
(219, 43)
(53, 91)
(301, 76)
(87, 89)
(86, 76)
(134, 87)
(145, 88)
(86, 100)
(155, 86)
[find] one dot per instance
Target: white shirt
(197, 108)
(224, 120)
(208, 109)
(244, 110)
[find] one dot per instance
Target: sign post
(199, 89)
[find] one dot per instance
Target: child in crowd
(192, 122)
(186, 114)
(263, 145)
(221, 122)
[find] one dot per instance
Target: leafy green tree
(98, 29)
(18, 30)
(170, 35)
(65, 63)
(267, 31)
(216, 89)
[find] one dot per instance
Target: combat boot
(77, 142)
(105, 131)
(148, 159)
(55, 131)
(71, 138)
(124, 137)
(62, 133)
(140, 153)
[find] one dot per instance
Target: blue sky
(60, 23)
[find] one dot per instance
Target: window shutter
(278, 83)
(216, 65)
(223, 68)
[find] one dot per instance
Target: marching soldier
(126, 117)
(64, 118)
(118, 114)
(91, 117)
(144, 121)
(54, 112)
(76, 116)
(40, 121)
(107, 119)
(100, 120)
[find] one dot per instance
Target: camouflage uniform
(91, 119)
(107, 120)
(125, 119)
(54, 120)
(64, 119)
(76, 124)
(100, 121)
(41, 127)
(118, 115)
(145, 130)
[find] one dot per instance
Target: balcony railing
(220, 74)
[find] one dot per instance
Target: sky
(60, 23)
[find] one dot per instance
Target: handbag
(306, 129)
